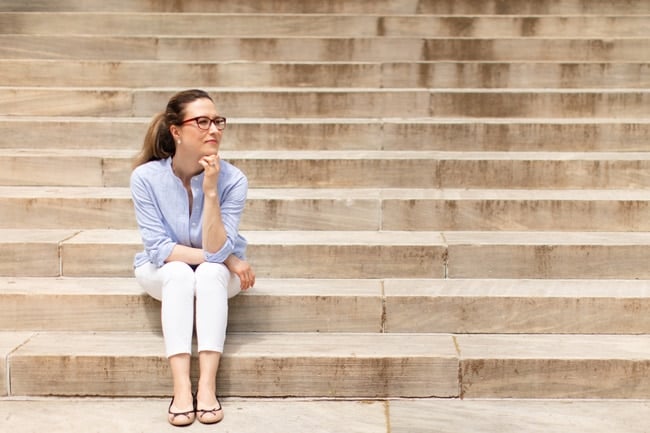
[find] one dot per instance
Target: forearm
(189, 255)
(214, 232)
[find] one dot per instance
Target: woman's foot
(180, 417)
(209, 414)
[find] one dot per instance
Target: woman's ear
(173, 130)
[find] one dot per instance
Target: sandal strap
(212, 411)
(175, 414)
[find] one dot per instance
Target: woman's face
(193, 139)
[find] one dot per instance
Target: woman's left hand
(243, 270)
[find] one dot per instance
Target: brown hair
(158, 141)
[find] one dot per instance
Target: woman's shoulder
(150, 168)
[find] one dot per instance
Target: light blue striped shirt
(164, 219)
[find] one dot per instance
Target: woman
(188, 204)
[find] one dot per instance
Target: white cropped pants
(177, 285)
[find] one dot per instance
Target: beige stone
(31, 252)
(554, 366)
(123, 136)
(323, 25)
(256, 364)
(76, 304)
(100, 253)
(328, 254)
(312, 305)
(513, 416)
(444, 7)
(9, 341)
(608, 255)
(518, 306)
(93, 304)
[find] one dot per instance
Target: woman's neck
(184, 170)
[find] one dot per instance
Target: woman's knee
(179, 276)
(211, 272)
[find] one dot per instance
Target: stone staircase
(449, 200)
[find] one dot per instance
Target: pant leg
(214, 285)
(173, 285)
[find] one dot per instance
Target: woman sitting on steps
(188, 205)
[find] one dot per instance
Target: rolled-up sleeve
(157, 243)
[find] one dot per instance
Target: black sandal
(201, 412)
(190, 415)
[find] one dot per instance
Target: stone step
(92, 304)
(322, 25)
(352, 254)
(147, 415)
(359, 305)
(337, 102)
(78, 208)
(450, 135)
(351, 169)
(549, 366)
(442, 7)
(133, 73)
(529, 306)
(369, 49)
(354, 365)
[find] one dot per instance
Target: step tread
(352, 154)
(355, 345)
(238, 345)
(536, 346)
(310, 237)
(367, 194)
(446, 7)
(129, 286)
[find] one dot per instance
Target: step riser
(351, 377)
(457, 366)
(482, 378)
(444, 7)
(121, 133)
(386, 75)
(313, 313)
(63, 170)
(380, 103)
(321, 26)
(277, 313)
(88, 259)
(321, 50)
(517, 315)
(544, 378)
(413, 374)
(548, 261)
(354, 214)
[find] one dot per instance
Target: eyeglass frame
(212, 121)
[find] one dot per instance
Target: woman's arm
(214, 232)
